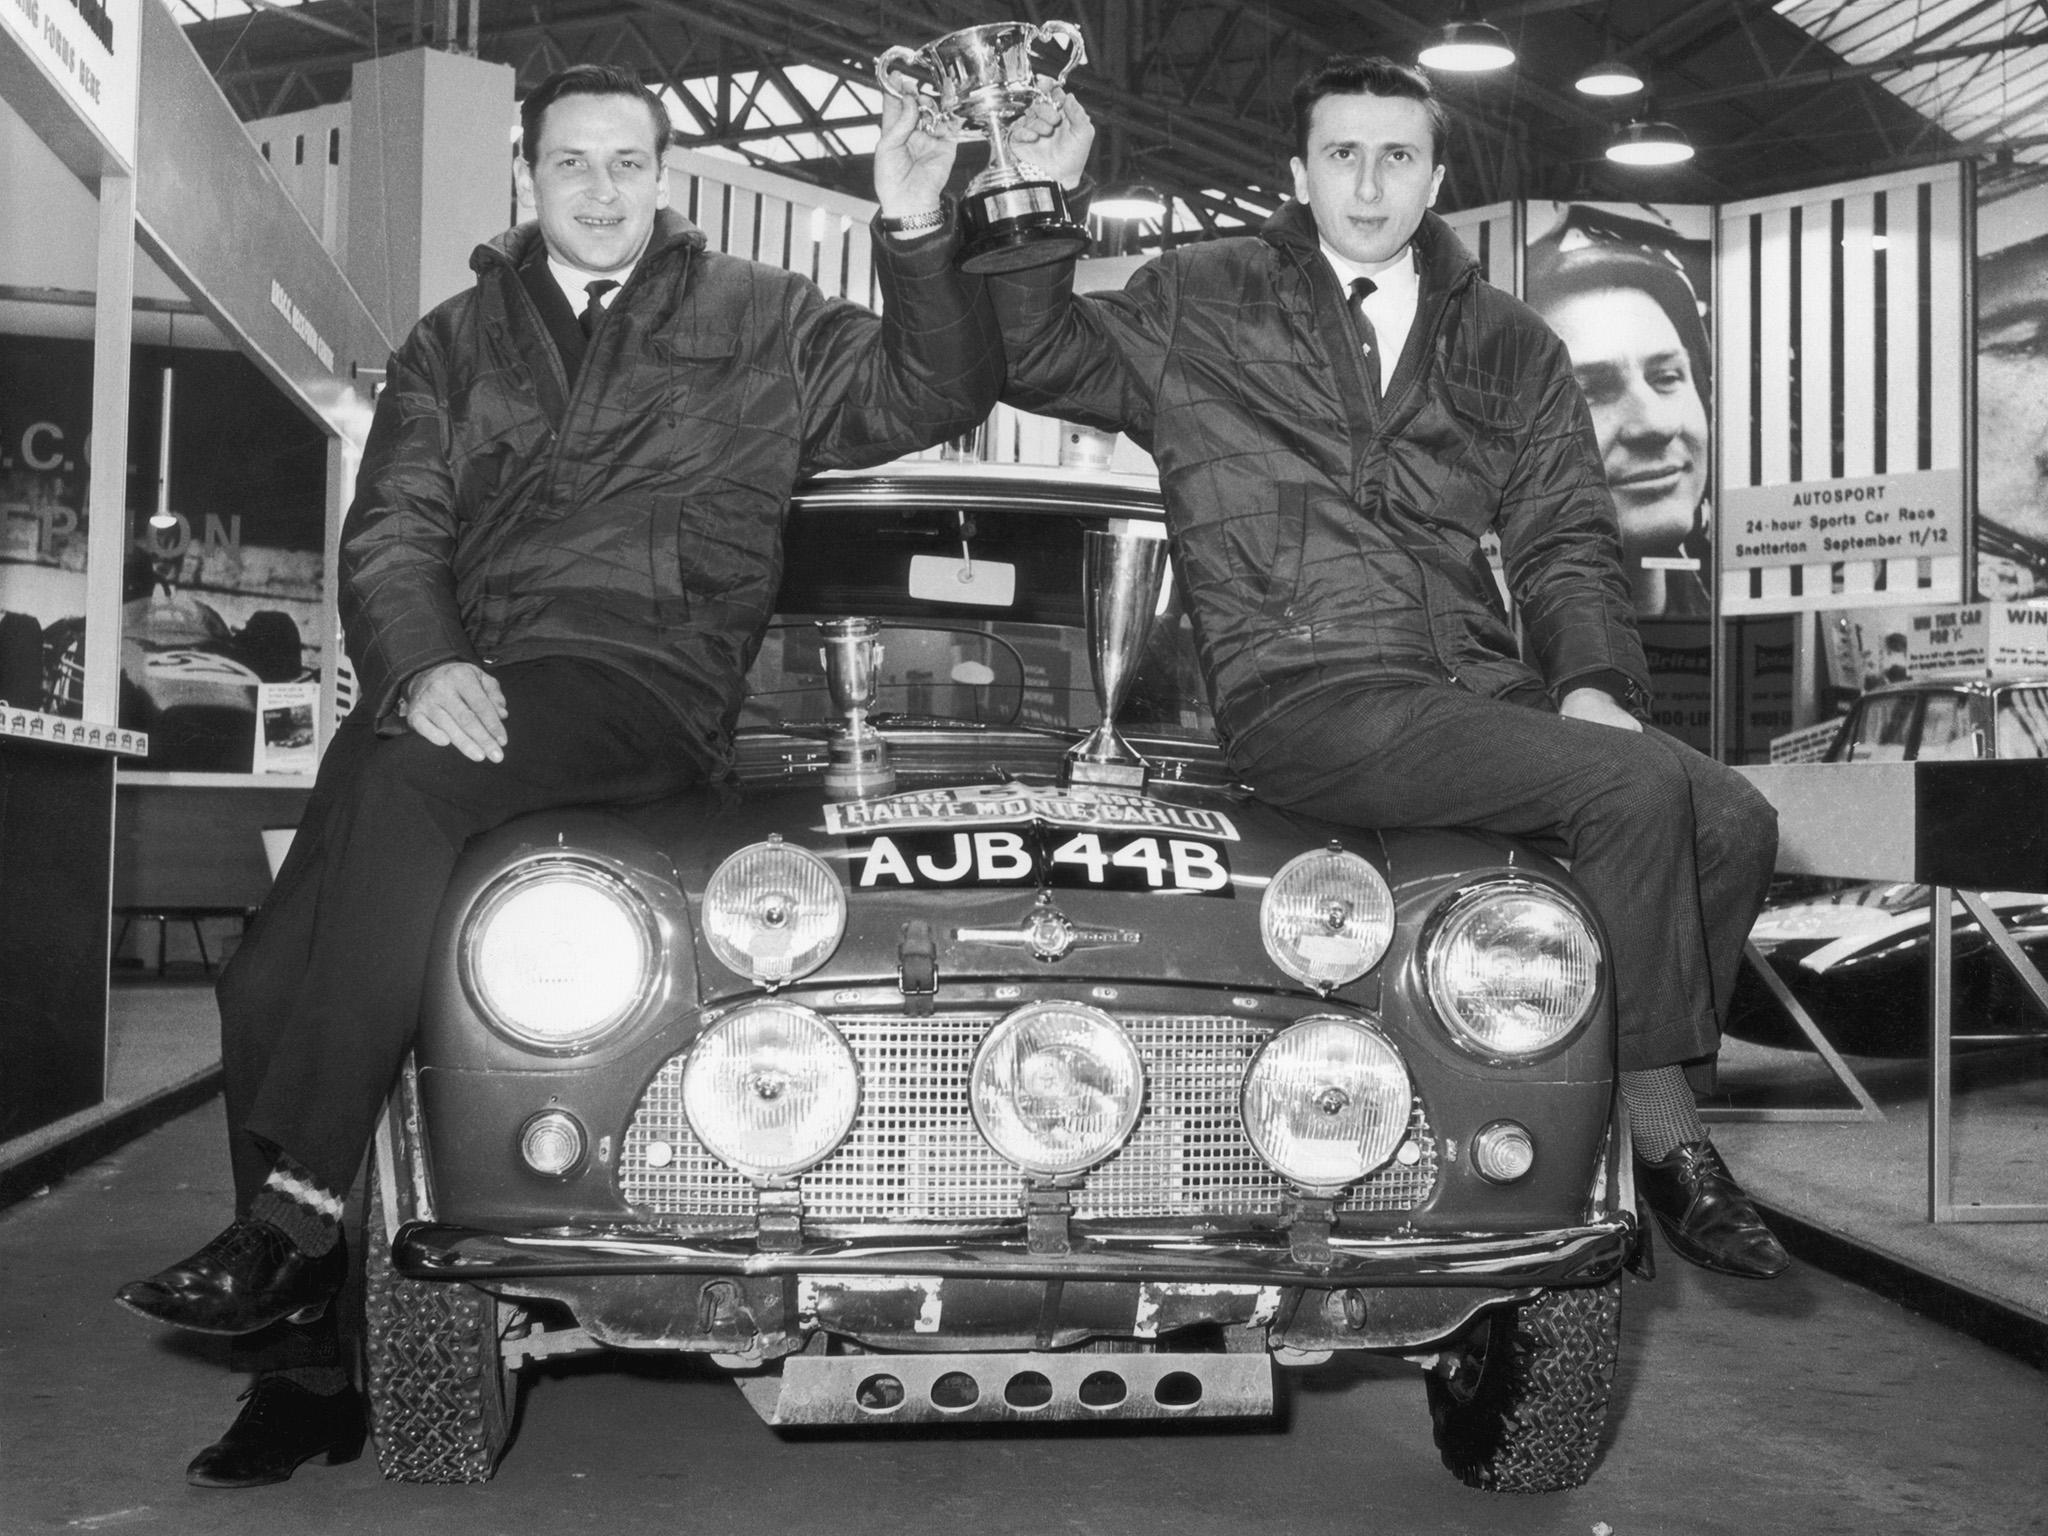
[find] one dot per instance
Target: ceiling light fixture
(1133, 202)
(1646, 141)
(1467, 45)
(1610, 77)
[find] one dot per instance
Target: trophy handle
(909, 88)
(1077, 49)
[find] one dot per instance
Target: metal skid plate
(1014, 1388)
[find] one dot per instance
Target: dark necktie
(1361, 288)
(594, 310)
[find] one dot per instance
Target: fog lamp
(771, 1090)
(1327, 918)
(1056, 1087)
(1326, 1101)
(774, 912)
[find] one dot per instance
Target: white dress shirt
(1390, 306)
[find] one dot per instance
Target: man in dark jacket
(1340, 410)
(565, 545)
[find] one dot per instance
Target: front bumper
(1586, 1254)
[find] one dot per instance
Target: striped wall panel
(1493, 235)
(770, 218)
(1841, 351)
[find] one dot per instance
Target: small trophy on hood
(1123, 572)
(859, 767)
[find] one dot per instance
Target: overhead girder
(1189, 95)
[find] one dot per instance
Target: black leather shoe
(1705, 1215)
(283, 1427)
(245, 1279)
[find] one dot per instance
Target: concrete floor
(1806, 1405)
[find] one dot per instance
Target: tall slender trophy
(973, 84)
(859, 766)
(1123, 573)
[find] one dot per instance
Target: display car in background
(1855, 953)
(956, 1065)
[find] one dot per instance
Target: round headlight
(1512, 969)
(1327, 1101)
(774, 912)
(771, 1090)
(1056, 1087)
(1327, 918)
(559, 953)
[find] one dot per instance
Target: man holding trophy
(1341, 409)
(564, 548)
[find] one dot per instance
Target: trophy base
(1010, 228)
(859, 771)
(1109, 775)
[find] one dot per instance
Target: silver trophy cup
(973, 84)
(859, 765)
(1123, 573)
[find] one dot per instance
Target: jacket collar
(522, 242)
(1441, 260)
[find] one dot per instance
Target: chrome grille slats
(914, 1155)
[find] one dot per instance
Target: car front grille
(914, 1154)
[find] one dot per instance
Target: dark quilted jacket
(637, 519)
(1324, 539)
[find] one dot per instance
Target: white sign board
(90, 50)
(1817, 522)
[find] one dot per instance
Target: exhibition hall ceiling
(1191, 95)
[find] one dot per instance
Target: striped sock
(1662, 1112)
(295, 1203)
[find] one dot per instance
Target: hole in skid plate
(955, 1390)
(1103, 1389)
(1027, 1389)
(879, 1394)
(1178, 1389)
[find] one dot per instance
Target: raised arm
(928, 367)
(1092, 358)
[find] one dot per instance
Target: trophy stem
(1123, 573)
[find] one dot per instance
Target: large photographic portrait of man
(1624, 286)
(2012, 398)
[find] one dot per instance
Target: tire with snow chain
(1525, 1405)
(440, 1398)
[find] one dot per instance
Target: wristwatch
(914, 223)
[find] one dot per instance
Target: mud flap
(1009, 1388)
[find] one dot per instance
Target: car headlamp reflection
(559, 953)
(1512, 969)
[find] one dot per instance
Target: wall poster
(45, 424)
(2012, 398)
(224, 585)
(1626, 287)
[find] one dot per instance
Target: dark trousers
(1673, 850)
(320, 1002)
